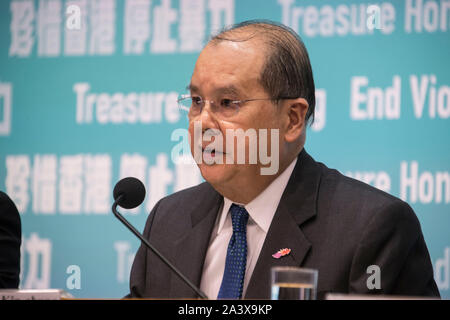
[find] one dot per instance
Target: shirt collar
(262, 209)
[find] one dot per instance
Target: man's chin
(215, 173)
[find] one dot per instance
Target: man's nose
(207, 117)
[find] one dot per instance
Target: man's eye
(228, 103)
(196, 101)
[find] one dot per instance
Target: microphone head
(132, 191)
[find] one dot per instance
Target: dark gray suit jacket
(10, 240)
(331, 223)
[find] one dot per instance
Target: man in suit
(10, 240)
(222, 234)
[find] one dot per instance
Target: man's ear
(296, 110)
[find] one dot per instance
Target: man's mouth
(211, 152)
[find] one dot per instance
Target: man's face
(231, 70)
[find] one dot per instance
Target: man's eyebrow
(223, 90)
(190, 87)
(232, 90)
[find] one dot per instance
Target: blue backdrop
(88, 94)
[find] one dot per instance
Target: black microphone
(130, 193)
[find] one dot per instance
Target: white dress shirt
(261, 211)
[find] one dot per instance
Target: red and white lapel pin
(281, 253)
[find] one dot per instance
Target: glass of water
(291, 283)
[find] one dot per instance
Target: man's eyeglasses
(194, 105)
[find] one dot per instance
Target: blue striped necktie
(233, 276)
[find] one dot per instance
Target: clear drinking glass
(291, 283)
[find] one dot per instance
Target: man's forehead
(227, 68)
(242, 53)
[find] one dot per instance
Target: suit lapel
(283, 233)
(297, 205)
(190, 249)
